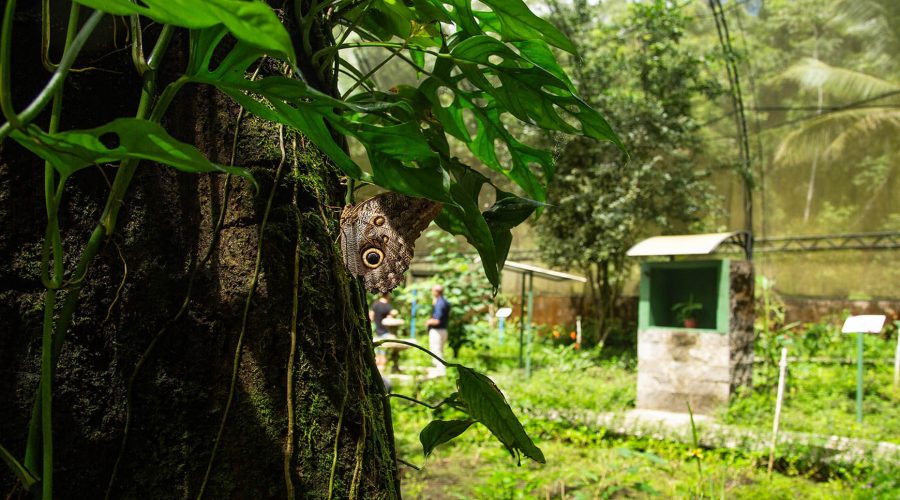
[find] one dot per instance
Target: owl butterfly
(377, 237)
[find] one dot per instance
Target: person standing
(379, 310)
(437, 327)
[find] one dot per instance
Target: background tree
(602, 204)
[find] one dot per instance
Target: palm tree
(872, 109)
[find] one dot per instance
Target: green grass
(822, 399)
(585, 463)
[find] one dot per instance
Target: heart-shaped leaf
(487, 405)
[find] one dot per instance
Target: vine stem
(414, 400)
(337, 431)
(54, 332)
(254, 281)
(417, 346)
(372, 71)
(6, 65)
(47, 396)
(295, 312)
(52, 198)
(43, 98)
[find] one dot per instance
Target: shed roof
(684, 244)
(541, 272)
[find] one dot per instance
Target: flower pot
(690, 322)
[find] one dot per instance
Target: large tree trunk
(182, 359)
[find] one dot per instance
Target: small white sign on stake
(503, 312)
(866, 323)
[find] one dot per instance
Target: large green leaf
(490, 131)
(511, 19)
(28, 479)
(531, 93)
(489, 231)
(252, 21)
(466, 219)
(486, 404)
(440, 431)
(120, 139)
(401, 157)
(508, 212)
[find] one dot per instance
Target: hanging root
(121, 284)
(295, 312)
(337, 431)
(360, 450)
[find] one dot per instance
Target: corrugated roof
(685, 244)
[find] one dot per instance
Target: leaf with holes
(120, 139)
(440, 431)
(401, 157)
(511, 19)
(491, 132)
(531, 93)
(251, 21)
(487, 405)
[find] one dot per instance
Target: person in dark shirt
(377, 312)
(437, 327)
(380, 310)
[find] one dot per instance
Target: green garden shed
(695, 321)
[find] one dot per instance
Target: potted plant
(686, 312)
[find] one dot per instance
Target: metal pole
(897, 360)
(500, 336)
(859, 377)
(522, 324)
(412, 320)
(528, 328)
(782, 368)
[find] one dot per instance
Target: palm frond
(875, 125)
(841, 83)
(836, 134)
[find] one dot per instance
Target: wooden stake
(782, 368)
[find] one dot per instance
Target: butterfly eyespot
(378, 220)
(372, 257)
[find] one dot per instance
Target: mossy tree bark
(135, 355)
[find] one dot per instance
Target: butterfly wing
(379, 234)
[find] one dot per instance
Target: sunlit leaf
(486, 404)
(511, 19)
(252, 21)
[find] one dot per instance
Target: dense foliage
(288, 66)
(601, 203)
(570, 389)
